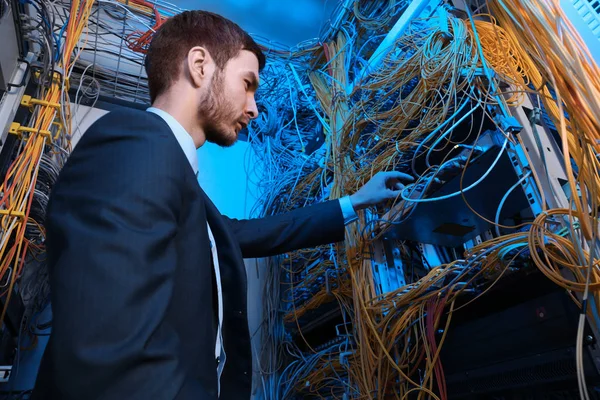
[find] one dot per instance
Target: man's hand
(382, 187)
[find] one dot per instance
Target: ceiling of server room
(284, 21)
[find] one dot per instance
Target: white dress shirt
(189, 148)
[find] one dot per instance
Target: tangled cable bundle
(45, 144)
(326, 127)
(398, 118)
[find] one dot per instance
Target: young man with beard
(148, 280)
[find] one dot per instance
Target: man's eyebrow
(251, 76)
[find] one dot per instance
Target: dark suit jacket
(131, 270)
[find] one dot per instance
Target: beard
(218, 115)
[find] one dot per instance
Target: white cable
(443, 135)
(428, 200)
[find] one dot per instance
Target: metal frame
(10, 50)
(550, 171)
(12, 98)
(388, 269)
(547, 160)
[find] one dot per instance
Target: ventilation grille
(589, 10)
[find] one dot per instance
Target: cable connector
(344, 357)
(509, 124)
(535, 117)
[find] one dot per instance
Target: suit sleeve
(111, 226)
(305, 227)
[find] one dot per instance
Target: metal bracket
(12, 98)
(388, 271)
(23, 77)
(13, 213)
(18, 129)
(58, 77)
(28, 101)
(5, 373)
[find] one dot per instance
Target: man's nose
(251, 108)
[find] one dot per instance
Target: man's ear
(199, 65)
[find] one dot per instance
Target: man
(148, 280)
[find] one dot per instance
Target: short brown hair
(223, 38)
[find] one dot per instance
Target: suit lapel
(233, 270)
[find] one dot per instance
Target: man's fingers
(394, 194)
(393, 184)
(397, 175)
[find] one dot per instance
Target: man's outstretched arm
(314, 225)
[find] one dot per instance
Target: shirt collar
(183, 137)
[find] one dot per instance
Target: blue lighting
(285, 22)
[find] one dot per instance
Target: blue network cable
(58, 38)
